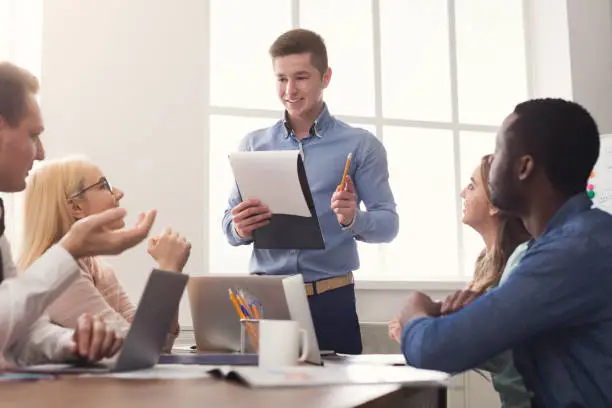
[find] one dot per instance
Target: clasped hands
(419, 304)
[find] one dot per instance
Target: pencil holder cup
(249, 336)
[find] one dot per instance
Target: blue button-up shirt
(324, 153)
(554, 311)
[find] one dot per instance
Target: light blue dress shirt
(324, 152)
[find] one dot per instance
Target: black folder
(292, 231)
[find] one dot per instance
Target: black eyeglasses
(103, 182)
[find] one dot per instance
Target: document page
(272, 178)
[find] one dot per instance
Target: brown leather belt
(325, 285)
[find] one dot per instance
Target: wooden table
(209, 393)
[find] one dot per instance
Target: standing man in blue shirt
(300, 64)
(554, 311)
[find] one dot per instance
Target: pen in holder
(249, 336)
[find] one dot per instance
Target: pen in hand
(342, 185)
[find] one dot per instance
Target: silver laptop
(216, 324)
(147, 335)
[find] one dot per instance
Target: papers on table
(310, 376)
(163, 372)
(376, 371)
(19, 377)
(372, 359)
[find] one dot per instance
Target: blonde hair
(46, 217)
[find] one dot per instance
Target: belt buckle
(312, 288)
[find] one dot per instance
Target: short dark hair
(15, 85)
(562, 137)
(299, 41)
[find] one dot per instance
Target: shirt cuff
(237, 237)
(63, 352)
(412, 348)
(62, 258)
(58, 266)
(351, 226)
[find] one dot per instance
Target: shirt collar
(530, 243)
(318, 127)
(577, 204)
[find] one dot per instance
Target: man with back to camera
(301, 68)
(554, 311)
(26, 335)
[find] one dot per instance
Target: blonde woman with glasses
(58, 194)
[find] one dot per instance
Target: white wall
(590, 31)
(125, 82)
(571, 52)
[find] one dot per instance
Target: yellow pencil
(346, 169)
(244, 303)
(253, 335)
(235, 302)
(256, 312)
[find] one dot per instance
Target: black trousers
(335, 320)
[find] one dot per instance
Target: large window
(432, 79)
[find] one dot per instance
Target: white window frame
(379, 121)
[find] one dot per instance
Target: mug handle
(305, 346)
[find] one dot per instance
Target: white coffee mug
(279, 343)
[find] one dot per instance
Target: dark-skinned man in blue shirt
(554, 311)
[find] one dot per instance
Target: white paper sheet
(371, 359)
(308, 376)
(163, 372)
(272, 178)
(183, 348)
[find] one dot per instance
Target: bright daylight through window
(431, 78)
